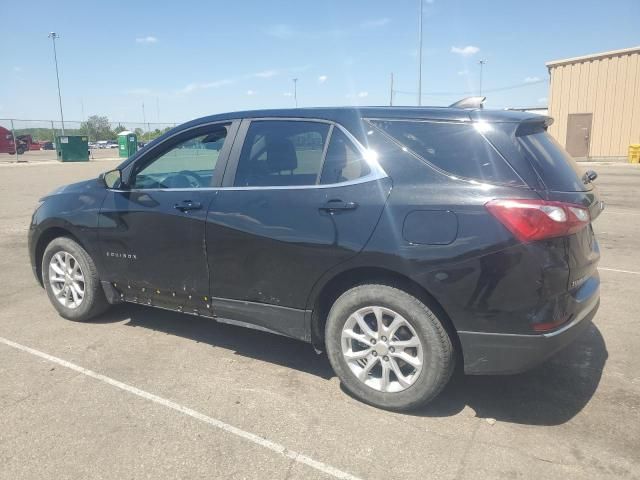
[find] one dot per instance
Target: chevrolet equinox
(398, 240)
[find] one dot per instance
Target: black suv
(399, 240)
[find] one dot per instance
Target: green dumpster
(72, 148)
(127, 144)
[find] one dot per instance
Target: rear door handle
(338, 205)
(186, 205)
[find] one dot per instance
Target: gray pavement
(40, 156)
(577, 416)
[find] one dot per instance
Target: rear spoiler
(533, 124)
(469, 103)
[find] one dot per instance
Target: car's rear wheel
(387, 347)
(71, 280)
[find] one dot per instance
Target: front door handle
(336, 205)
(186, 205)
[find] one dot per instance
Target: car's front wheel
(387, 347)
(71, 280)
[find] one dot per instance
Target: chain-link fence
(34, 140)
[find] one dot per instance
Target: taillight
(531, 220)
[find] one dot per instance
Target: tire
(418, 323)
(93, 301)
(20, 150)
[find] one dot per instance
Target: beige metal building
(595, 101)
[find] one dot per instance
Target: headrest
(281, 154)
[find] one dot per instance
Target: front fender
(73, 214)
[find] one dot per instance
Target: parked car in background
(7, 145)
(399, 240)
(29, 143)
(48, 146)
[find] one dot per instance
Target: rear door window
(456, 148)
(281, 153)
(343, 161)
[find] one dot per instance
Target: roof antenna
(469, 103)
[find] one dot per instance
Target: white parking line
(618, 270)
(263, 442)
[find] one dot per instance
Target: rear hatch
(559, 178)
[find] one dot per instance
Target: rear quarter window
(456, 148)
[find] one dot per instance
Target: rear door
(298, 198)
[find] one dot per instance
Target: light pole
(420, 54)
(144, 119)
(481, 63)
(295, 91)
(53, 36)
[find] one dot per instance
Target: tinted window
(189, 164)
(556, 168)
(343, 161)
(453, 147)
(280, 153)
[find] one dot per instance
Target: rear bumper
(504, 353)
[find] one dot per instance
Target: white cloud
(281, 31)
(375, 22)
(266, 74)
(17, 69)
(465, 51)
(531, 79)
(322, 78)
(202, 86)
(251, 92)
(430, 1)
(357, 95)
(147, 40)
(543, 100)
(463, 72)
(287, 94)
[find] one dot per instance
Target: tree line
(97, 128)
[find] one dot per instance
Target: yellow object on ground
(634, 153)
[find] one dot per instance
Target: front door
(152, 234)
(298, 198)
(579, 134)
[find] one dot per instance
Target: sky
(188, 59)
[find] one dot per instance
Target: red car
(7, 144)
(29, 143)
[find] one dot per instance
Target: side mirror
(111, 179)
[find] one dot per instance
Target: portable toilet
(72, 148)
(127, 144)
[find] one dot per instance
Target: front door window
(189, 164)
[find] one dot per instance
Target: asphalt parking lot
(144, 393)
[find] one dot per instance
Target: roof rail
(469, 103)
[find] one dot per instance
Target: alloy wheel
(66, 279)
(382, 349)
